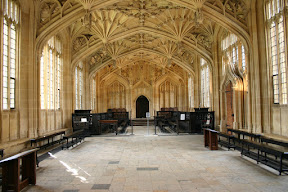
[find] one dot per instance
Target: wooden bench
(38, 142)
(76, 137)
(12, 178)
(264, 153)
(243, 134)
(229, 142)
(250, 149)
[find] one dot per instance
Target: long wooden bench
(229, 141)
(40, 143)
(269, 155)
(75, 138)
(50, 138)
(244, 134)
(241, 135)
(251, 149)
(14, 179)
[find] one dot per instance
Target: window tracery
(233, 48)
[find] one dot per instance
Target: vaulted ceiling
(124, 32)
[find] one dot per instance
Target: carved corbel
(199, 17)
(86, 20)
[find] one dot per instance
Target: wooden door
(142, 106)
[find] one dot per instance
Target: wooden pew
(11, 179)
(173, 125)
(76, 137)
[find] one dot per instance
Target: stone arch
(237, 100)
(81, 12)
(142, 106)
(174, 97)
(180, 63)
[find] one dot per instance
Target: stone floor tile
(183, 165)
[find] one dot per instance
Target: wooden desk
(110, 122)
(206, 137)
(1, 153)
(210, 138)
(11, 171)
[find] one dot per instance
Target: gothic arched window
(191, 92)
(10, 16)
(51, 74)
(205, 83)
(78, 86)
(277, 49)
(93, 93)
(234, 48)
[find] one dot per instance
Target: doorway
(229, 103)
(142, 106)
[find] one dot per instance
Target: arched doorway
(229, 103)
(142, 106)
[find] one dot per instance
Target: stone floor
(142, 163)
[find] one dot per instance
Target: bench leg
(258, 156)
(242, 149)
(37, 161)
(280, 168)
(228, 144)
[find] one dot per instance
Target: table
(110, 122)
